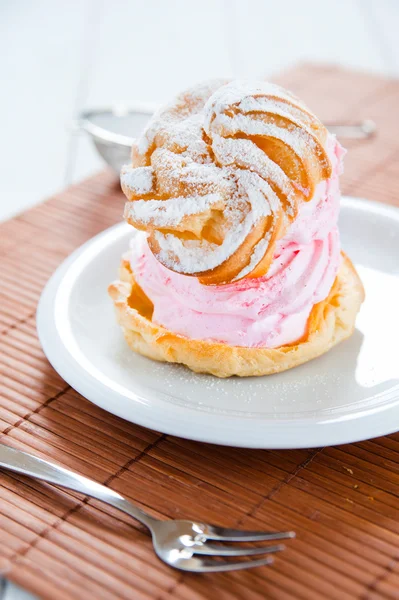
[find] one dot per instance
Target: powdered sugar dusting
(202, 149)
(138, 181)
(257, 255)
(163, 214)
(244, 153)
(296, 139)
(190, 256)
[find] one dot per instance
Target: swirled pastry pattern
(218, 176)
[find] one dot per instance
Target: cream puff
(235, 265)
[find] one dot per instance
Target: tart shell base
(330, 322)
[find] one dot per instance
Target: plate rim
(272, 435)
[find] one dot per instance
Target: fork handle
(27, 464)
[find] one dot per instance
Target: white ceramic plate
(349, 394)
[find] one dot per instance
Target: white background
(59, 57)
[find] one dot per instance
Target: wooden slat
(342, 501)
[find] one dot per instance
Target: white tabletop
(58, 58)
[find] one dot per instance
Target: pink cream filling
(266, 312)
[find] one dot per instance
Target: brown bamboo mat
(342, 501)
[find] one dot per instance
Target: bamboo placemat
(342, 501)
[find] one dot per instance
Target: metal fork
(181, 544)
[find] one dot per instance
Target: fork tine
(214, 550)
(206, 565)
(237, 535)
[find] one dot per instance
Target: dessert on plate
(235, 265)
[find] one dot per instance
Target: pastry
(235, 266)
